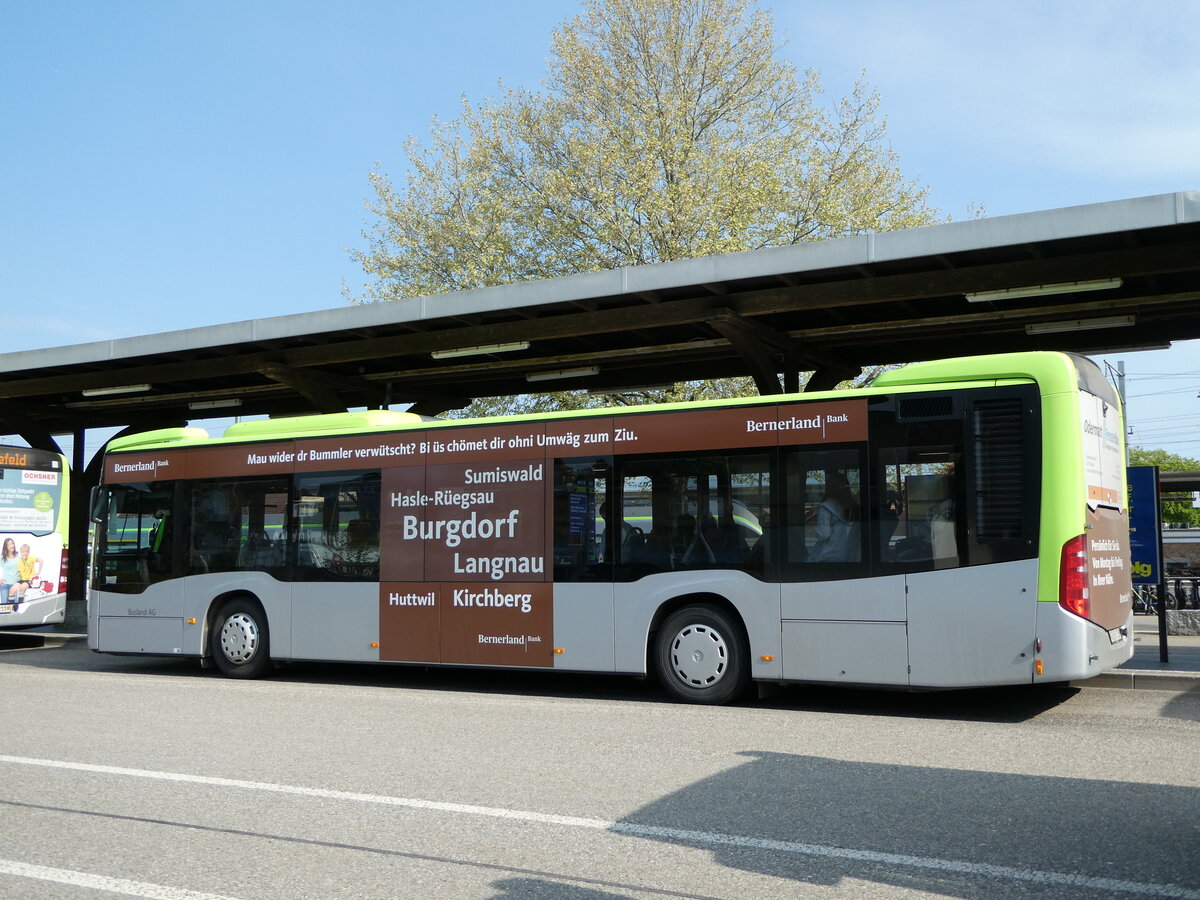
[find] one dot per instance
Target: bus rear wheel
(702, 655)
(240, 643)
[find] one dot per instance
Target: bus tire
(240, 642)
(702, 655)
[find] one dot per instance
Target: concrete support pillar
(77, 536)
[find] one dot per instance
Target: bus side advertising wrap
(465, 544)
(957, 523)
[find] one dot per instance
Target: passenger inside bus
(838, 528)
(715, 542)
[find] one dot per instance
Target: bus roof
(1055, 372)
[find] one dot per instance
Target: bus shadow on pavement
(450, 679)
(1017, 703)
(950, 832)
(1004, 704)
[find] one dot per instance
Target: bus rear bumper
(50, 609)
(1073, 649)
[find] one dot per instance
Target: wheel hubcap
(699, 656)
(239, 638)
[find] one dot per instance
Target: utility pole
(1124, 406)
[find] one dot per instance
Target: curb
(1143, 679)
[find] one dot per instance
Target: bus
(957, 523)
(34, 495)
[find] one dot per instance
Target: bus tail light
(1073, 578)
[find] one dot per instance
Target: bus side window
(215, 527)
(263, 545)
(337, 514)
(824, 529)
(698, 511)
(580, 487)
(135, 547)
(919, 514)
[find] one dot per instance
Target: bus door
(953, 472)
(841, 621)
(334, 532)
(133, 605)
(588, 529)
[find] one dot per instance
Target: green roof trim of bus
(758, 400)
(1055, 371)
(162, 437)
(331, 423)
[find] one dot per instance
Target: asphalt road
(149, 778)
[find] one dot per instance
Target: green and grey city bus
(957, 523)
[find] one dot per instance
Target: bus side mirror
(98, 505)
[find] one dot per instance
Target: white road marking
(103, 882)
(633, 829)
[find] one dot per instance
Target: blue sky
(178, 164)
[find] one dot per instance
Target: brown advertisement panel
(510, 624)
(753, 426)
(410, 622)
(1110, 583)
(269, 458)
(705, 429)
(708, 429)
(503, 624)
(486, 443)
(240, 460)
(827, 422)
(127, 468)
(405, 503)
(468, 521)
(361, 451)
(579, 437)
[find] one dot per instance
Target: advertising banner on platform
(1145, 528)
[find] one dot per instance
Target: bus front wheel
(702, 655)
(240, 641)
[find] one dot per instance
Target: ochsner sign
(1102, 457)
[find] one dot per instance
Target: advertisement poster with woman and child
(31, 544)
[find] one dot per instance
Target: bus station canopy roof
(1112, 276)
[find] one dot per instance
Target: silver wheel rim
(699, 656)
(239, 638)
